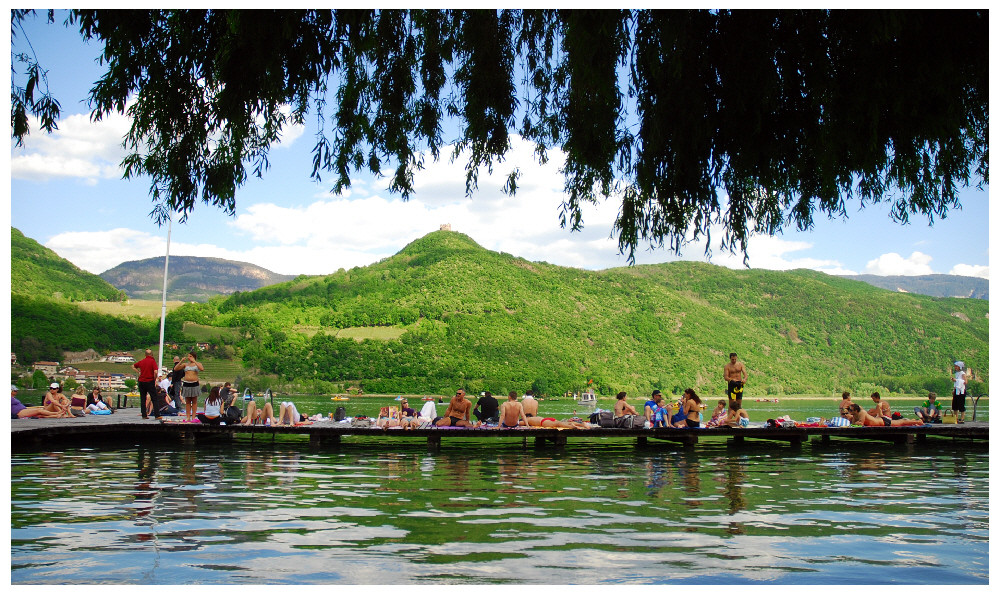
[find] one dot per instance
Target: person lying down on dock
(549, 422)
(860, 416)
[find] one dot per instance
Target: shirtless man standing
(457, 414)
(735, 375)
(511, 412)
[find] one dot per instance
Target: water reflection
(356, 515)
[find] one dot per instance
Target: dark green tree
(39, 381)
(750, 119)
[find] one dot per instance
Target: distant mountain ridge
(189, 278)
(932, 285)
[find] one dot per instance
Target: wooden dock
(127, 426)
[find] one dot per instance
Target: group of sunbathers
(56, 405)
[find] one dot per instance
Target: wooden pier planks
(38, 433)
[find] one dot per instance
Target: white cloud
(79, 148)
(290, 132)
(773, 253)
(893, 264)
(97, 251)
(971, 270)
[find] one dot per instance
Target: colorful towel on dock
(839, 422)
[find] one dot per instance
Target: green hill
(468, 316)
(45, 321)
(37, 271)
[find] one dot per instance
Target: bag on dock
(606, 419)
(233, 414)
(630, 422)
(340, 414)
(361, 423)
(949, 417)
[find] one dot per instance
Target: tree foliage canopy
(785, 112)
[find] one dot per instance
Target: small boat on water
(588, 398)
(427, 398)
(340, 398)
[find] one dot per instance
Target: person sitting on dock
(623, 408)
(95, 402)
(512, 412)
(530, 404)
(930, 412)
(678, 419)
(881, 407)
(737, 418)
(78, 402)
(487, 409)
(457, 414)
(20, 411)
(860, 417)
(213, 408)
(718, 418)
(168, 408)
(845, 401)
(692, 409)
(54, 401)
(653, 410)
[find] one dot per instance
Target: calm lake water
(487, 512)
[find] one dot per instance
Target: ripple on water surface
(592, 515)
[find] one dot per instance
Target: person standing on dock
(147, 382)
(735, 374)
(189, 384)
(457, 414)
(958, 395)
(175, 382)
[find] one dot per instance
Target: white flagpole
(163, 310)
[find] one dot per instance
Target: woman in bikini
(860, 415)
(692, 408)
(549, 422)
(189, 384)
(623, 408)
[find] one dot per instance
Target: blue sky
(67, 193)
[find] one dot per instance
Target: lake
(483, 512)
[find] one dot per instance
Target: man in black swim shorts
(457, 414)
(735, 375)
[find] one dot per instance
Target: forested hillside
(38, 271)
(42, 328)
(44, 321)
(487, 320)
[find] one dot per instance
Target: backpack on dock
(630, 422)
(340, 414)
(606, 419)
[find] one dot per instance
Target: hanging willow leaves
(750, 119)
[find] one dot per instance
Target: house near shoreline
(49, 368)
(119, 357)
